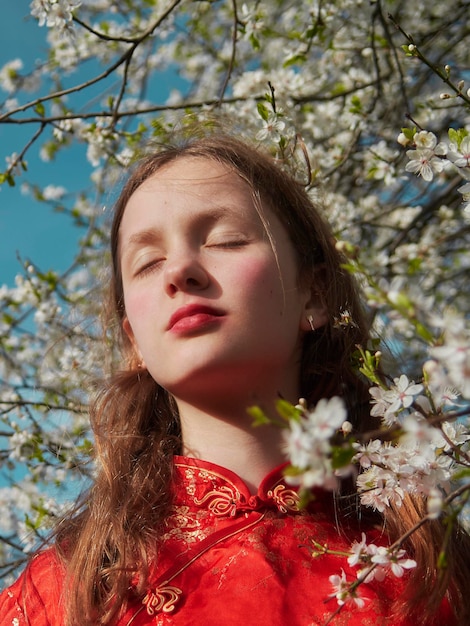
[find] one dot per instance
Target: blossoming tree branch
(370, 103)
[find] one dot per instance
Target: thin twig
(19, 158)
(103, 36)
(122, 59)
(233, 55)
(418, 54)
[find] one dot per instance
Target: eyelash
(148, 267)
(236, 243)
(154, 264)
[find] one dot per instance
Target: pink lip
(192, 316)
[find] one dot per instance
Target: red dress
(229, 559)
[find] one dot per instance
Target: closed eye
(149, 266)
(232, 243)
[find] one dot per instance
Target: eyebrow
(147, 236)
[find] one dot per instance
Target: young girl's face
(212, 302)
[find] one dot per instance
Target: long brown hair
(112, 539)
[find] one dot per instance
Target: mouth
(192, 317)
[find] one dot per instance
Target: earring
(310, 321)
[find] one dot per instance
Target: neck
(229, 439)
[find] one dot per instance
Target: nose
(185, 272)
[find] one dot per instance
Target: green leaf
(306, 496)
(254, 42)
(442, 560)
(39, 108)
(296, 59)
(292, 470)
(349, 267)
(341, 456)
(9, 179)
(424, 333)
(287, 410)
(409, 133)
(461, 474)
(456, 136)
(356, 105)
(414, 265)
(259, 416)
(263, 111)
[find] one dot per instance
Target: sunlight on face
(208, 301)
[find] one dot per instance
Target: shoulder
(36, 594)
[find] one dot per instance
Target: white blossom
(434, 503)
(342, 590)
(53, 192)
(465, 192)
(53, 13)
(399, 396)
(9, 76)
(454, 355)
(386, 558)
(425, 163)
(251, 20)
(415, 465)
(375, 562)
(425, 160)
(272, 128)
(380, 402)
(460, 156)
(14, 163)
(308, 443)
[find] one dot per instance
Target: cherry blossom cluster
(450, 368)
(422, 458)
(389, 471)
(308, 443)
(428, 157)
(53, 13)
(373, 563)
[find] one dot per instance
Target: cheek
(260, 282)
(137, 308)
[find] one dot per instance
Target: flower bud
(434, 503)
(302, 404)
(403, 140)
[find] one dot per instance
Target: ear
(315, 312)
(127, 328)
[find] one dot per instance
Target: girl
(225, 288)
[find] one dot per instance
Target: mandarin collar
(206, 485)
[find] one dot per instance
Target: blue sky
(27, 228)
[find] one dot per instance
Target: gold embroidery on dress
(221, 501)
(185, 526)
(285, 499)
(162, 599)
